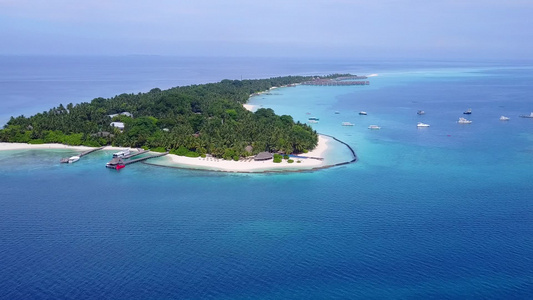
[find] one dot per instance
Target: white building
(125, 113)
(118, 125)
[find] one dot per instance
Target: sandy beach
(249, 165)
(23, 146)
(250, 107)
(207, 163)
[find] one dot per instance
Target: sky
(457, 29)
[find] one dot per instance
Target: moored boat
(504, 118)
(347, 124)
(312, 120)
(375, 127)
(122, 153)
(527, 116)
(363, 113)
(468, 111)
(337, 112)
(420, 124)
(73, 159)
(420, 112)
(464, 121)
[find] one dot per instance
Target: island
(207, 122)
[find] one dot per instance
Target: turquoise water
(439, 212)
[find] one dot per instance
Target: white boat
(420, 124)
(527, 116)
(374, 127)
(347, 124)
(312, 121)
(73, 159)
(464, 121)
(420, 112)
(363, 113)
(468, 111)
(504, 118)
(122, 153)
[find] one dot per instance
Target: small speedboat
(420, 112)
(374, 127)
(363, 113)
(464, 121)
(73, 159)
(468, 111)
(347, 124)
(420, 124)
(504, 118)
(527, 116)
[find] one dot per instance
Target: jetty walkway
(66, 159)
(120, 162)
(141, 151)
(330, 82)
(127, 162)
(90, 151)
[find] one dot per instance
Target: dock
(90, 151)
(66, 159)
(307, 157)
(140, 151)
(120, 162)
(330, 82)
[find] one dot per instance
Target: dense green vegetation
(191, 121)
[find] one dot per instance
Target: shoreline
(305, 162)
(250, 107)
(23, 146)
(247, 165)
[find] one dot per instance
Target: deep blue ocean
(444, 212)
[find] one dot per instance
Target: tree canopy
(206, 118)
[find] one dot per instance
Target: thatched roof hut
(263, 156)
(115, 161)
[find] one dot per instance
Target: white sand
(211, 163)
(22, 146)
(208, 163)
(250, 107)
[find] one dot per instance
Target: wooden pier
(144, 158)
(307, 157)
(141, 151)
(90, 151)
(355, 77)
(329, 82)
(119, 162)
(66, 159)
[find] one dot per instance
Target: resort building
(263, 156)
(125, 113)
(118, 125)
